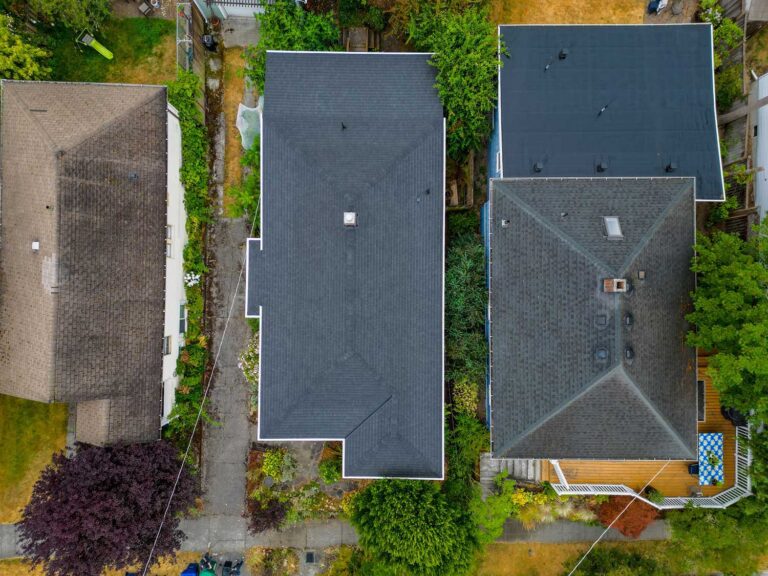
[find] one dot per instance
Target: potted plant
(713, 459)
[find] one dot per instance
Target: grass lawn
(757, 52)
(166, 566)
(30, 433)
(144, 53)
(534, 559)
(234, 85)
(568, 11)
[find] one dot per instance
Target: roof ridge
(652, 407)
(566, 239)
(685, 185)
(106, 126)
(559, 410)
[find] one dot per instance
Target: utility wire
(202, 403)
(635, 497)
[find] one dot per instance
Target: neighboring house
(759, 122)
(91, 237)
(605, 139)
(609, 101)
(347, 277)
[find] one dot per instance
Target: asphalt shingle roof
(84, 172)
(352, 322)
(655, 83)
(552, 394)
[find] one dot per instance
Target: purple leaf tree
(103, 507)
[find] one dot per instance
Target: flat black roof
(634, 98)
(352, 317)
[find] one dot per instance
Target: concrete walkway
(226, 444)
(9, 547)
(228, 534)
(565, 531)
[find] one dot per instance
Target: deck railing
(742, 486)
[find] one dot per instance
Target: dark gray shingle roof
(656, 82)
(551, 396)
(352, 331)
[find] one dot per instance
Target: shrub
(279, 464)
(655, 496)
(631, 523)
(18, 59)
(247, 194)
(708, 540)
(726, 34)
(285, 25)
(103, 506)
(465, 44)
(465, 396)
(410, 526)
(728, 87)
(330, 470)
(266, 515)
(603, 561)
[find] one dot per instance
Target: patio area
(674, 480)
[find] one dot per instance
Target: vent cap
(350, 219)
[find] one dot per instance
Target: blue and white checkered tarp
(711, 471)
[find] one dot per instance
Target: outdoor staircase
(526, 470)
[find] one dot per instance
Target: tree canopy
(18, 59)
(75, 14)
(731, 317)
(408, 525)
(285, 25)
(465, 45)
(102, 508)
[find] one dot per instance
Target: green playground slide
(86, 39)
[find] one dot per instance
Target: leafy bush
(654, 495)
(726, 34)
(464, 396)
(247, 194)
(463, 446)
(354, 13)
(285, 25)
(603, 561)
(103, 506)
(709, 540)
(308, 501)
(279, 464)
(465, 307)
(411, 527)
(20, 60)
(193, 357)
(249, 365)
(330, 470)
(728, 87)
(631, 523)
(465, 44)
(731, 316)
(721, 210)
(74, 14)
(266, 515)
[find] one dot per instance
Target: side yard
(30, 433)
(570, 11)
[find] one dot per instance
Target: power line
(635, 497)
(202, 403)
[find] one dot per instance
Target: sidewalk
(564, 531)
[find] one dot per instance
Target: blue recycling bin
(191, 570)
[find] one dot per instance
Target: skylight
(612, 227)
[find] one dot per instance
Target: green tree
(731, 317)
(726, 34)
(615, 562)
(706, 540)
(285, 25)
(465, 45)
(409, 526)
(18, 59)
(76, 14)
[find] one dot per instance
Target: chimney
(615, 285)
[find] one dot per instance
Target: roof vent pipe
(671, 167)
(35, 246)
(602, 166)
(538, 166)
(563, 54)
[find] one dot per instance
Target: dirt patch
(568, 11)
(234, 87)
(167, 566)
(158, 68)
(686, 12)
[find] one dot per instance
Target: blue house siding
(494, 149)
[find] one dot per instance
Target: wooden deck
(674, 480)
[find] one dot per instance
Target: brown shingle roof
(83, 170)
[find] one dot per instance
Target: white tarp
(248, 123)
